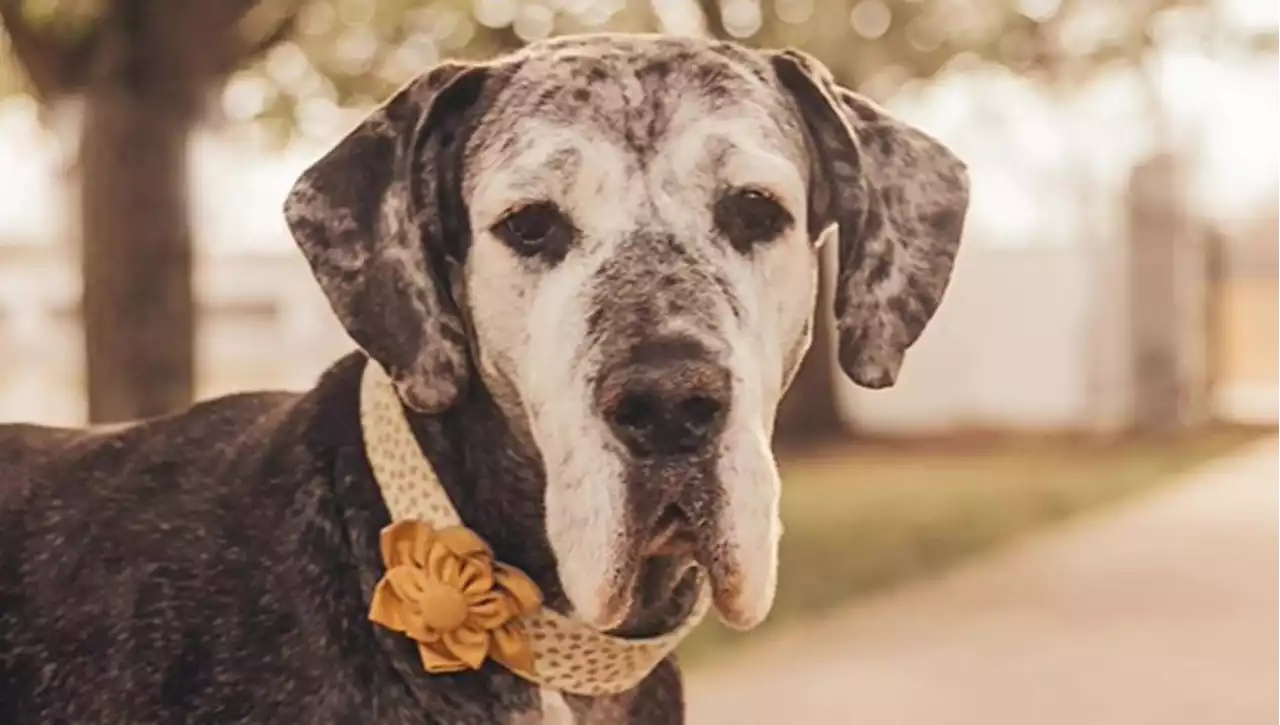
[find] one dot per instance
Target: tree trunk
(809, 412)
(1167, 308)
(136, 254)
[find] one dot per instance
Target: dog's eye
(748, 217)
(536, 229)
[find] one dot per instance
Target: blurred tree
(354, 53)
(143, 71)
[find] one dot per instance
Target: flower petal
(490, 611)
(438, 660)
(476, 576)
(386, 607)
(525, 595)
(391, 611)
(468, 644)
(463, 542)
(408, 583)
(423, 566)
(450, 570)
(436, 558)
(406, 542)
(511, 649)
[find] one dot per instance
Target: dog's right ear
(375, 217)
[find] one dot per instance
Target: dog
(589, 269)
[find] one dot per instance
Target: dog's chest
(552, 709)
(556, 709)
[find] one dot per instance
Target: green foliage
(67, 21)
(354, 52)
(881, 44)
(65, 18)
(350, 53)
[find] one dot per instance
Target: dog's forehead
(632, 90)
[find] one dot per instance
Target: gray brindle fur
(590, 268)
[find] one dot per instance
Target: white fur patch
(586, 499)
(784, 279)
(555, 711)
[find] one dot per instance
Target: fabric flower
(444, 590)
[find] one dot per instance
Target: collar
(443, 589)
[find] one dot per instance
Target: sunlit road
(1162, 610)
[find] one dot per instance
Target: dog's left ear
(375, 218)
(899, 198)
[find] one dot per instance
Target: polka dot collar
(568, 655)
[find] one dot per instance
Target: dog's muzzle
(666, 402)
(670, 398)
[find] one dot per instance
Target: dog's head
(618, 236)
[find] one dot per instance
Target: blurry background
(1112, 321)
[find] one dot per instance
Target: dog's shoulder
(181, 551)
(38, 461)
(234, 462)
(206, 437)
(31, 449)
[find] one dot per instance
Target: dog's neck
(496, 481)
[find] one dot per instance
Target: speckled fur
(214, 566)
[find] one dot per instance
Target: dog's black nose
(666, 401)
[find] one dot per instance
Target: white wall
(263, 325)
(1006, 349)
(1009, 347)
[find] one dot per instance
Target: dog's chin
(737, 606)
(608, 610)
(645, 582)
(654, 595)
(648, 598)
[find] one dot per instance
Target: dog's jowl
(588, 270)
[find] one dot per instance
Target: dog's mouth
(660, 598)
(679, 523)
(673, 536)
(658, 590)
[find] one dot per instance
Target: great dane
(589, 268)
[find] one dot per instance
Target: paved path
(1161, 611)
